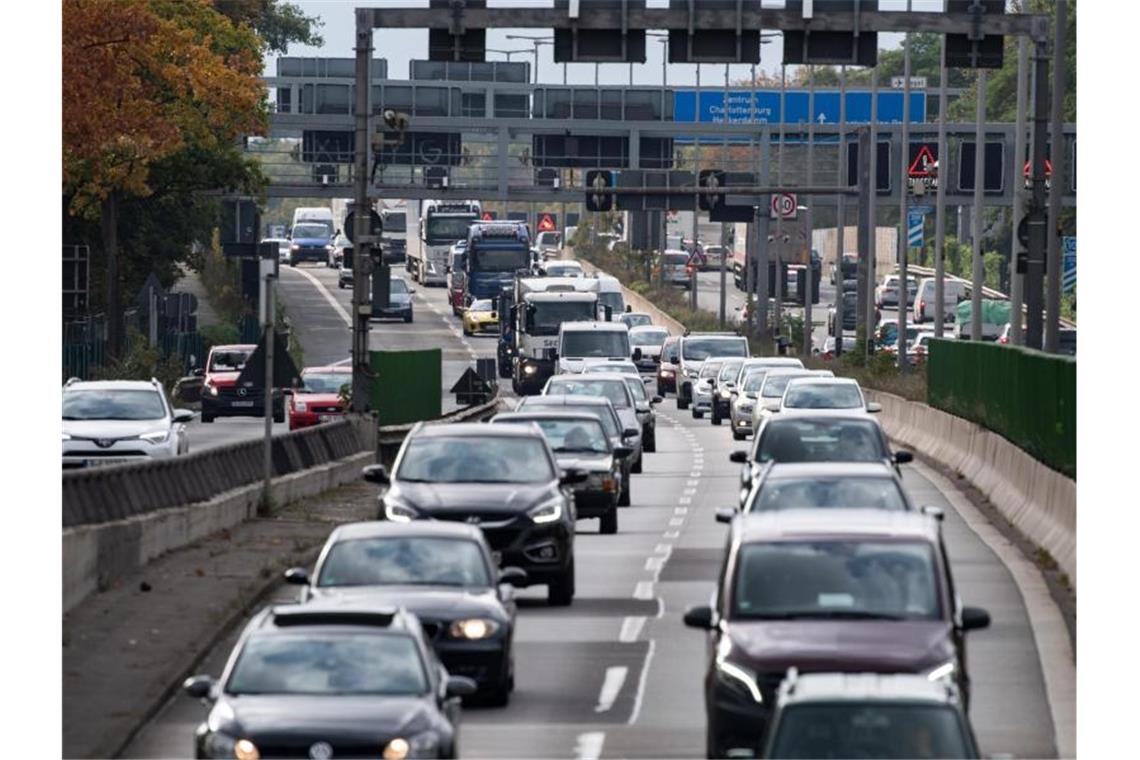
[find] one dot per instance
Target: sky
(401, 46)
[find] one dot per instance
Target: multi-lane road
(617, 674)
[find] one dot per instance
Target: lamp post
(536, 41)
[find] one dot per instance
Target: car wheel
(682, 404)
(340, 284)
(560, 593)
(609, 522)
(408, 319)
(737, 435)
(716, 418)
(279, 416)
(649, 442)
(636, 467)
(207, 418)
(623, 496)
(698, 415)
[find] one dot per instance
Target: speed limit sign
(784, 206)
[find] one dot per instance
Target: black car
(602, 408)
(580, 442)
(826, 591)
(807, 437)
(505, 480)
(399, 302)
(311, 680)
(444, 573)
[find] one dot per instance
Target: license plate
(105, 461)
(243, 403)
(497, 557)
(327, 417)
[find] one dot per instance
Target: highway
(617, 674)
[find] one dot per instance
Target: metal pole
(872, 252)
(940, 203)
(724, 156)
(840, 212)
(267, 410)
(760, 282)
(1053, 268)
(1037, 216)
(1016, 278)
(362, 247)
(809, 272)
(779, 273)
(694, 280)
(904, 191)
(864, 284)
(979, 273)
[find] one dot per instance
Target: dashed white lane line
(631, 628)
(589, 745)
(643, 590)
(611, 686)
(680, 510)
(654, 564)
(672, 534)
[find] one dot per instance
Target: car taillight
(921, 305)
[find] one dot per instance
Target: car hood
(276, 719)
(399, 299)
(320, 398)
(428, 602)
(496, 498)
(112, 428)
(874, 646)
(575, 365)
(581, 461)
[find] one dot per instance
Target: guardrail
(987, 292)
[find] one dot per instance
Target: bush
(142, 362)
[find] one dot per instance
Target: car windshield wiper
(840, 615)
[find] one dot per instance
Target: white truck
(539, 307)
(394, 237)
(432, 228)
(581, 344)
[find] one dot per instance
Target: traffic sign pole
(940, 203)
(1016, 275)
(1053, 270)
(361, 247)
(979, 271)
(904, 236)
(841, 211)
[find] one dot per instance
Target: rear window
(614, 390)
(870, 729)
(820, 493)
(699, 349)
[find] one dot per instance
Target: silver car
(118, 421)
(744, 403)
(610, 385)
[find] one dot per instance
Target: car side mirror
(740, 457)
(198, 372)
(182, 415)
(376, 473)
(412, 291)
(902, 456)
(573, 477)
(622, 452)
(630, 433)
(974, 619)
(643, 407)
(297, 576)
(656, 400)
(873, 407)
(699, 617)
(725, 515)
(460, 686)
(637, 354)
(287, 391)
(936, 512)
(199, 687)
(514, 576)
(674, 360)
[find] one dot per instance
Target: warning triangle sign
(545, 223)
(919, 167)
(488, 216)
(1048, 169)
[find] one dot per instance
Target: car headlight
(944, 670)
(156, 437)
(425, 744)
(300, 406)
(473, 629)
(294, 247)
(736, 677)
(725, 393)
(547, 512)
(221, 745)
(530, 369)
(397, 512)
(666, 371)
(691, 372)
(66, 437)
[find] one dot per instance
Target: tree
(277, 24)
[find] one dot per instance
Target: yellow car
(480, 317)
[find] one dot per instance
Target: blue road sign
(763, 107)
(924, 210)
(914, 229)
(1069, 263)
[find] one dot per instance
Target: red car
(221, 396)
(318, 399)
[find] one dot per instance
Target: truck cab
(496, 252)
(537, 309)
(581, 344)
(432, 228)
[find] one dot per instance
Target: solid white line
(611, 686)
(328, 296)
(643, 590)
(590, 745)
(342, 362)
(641, 684)
(631, 628)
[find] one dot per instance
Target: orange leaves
(144, 79)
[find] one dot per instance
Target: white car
(772, 391)
(744, 401)
(649, 338)
(117, 421)
(826, 395)
(282, 248)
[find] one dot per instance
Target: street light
(508, 53)
(536, 41)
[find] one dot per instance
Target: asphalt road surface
(618, 675)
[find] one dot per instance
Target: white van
(609, 294)
(581, 344)
(953, 293)
(314, 214)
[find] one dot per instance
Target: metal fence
(1026, 396)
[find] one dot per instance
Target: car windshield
(699, 349)
(408, 560)
(571, 436)
(548, 316)
(594, 343)
(775, 384)
(819, 493)
(500, 256)
(457, 262)
(395, 222)
(869, 729)
(489, 459)
(820, 440)
(710, 369)
(442, 229)
(647, 337)
(563, 270)
(637, 389)
(614, 390)
(230, 360)
(676, 259)
(670, 351)
(614, 300)
(754, 381)
(328, 664)
(836, 579)
(481, 305)
(605, 415)
(310, 231)
(729, 371)
(325, 382)
(636, 320)
(398, 285)
(86, 404)
(823, 396)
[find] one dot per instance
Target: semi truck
(531, 313)
(432, 227)
(496, 253)
(394, 235)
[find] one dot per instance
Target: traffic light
(711, 180)
(599, 180)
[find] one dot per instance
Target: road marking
(680, 510)
(692, 483)
(325, 292)
(654, 564)
(631, 628)
(637, 697)
(643, 590)
(615, 677)
(676, 522)
(685, 500)
(663, 549)
(673, 533)
(342, 362)
(589, 745)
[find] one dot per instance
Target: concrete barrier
(1039, 501)
(636, 301)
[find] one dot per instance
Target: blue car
(310, 241)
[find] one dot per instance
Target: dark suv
(837, 591)
(501, 478)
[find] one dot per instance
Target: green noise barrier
(406, 385)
